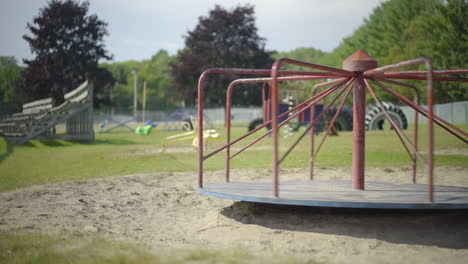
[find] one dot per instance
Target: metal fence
(454, 113)
(215, 115)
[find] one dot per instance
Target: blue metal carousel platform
(340, 194)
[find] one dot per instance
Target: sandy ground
(163, 211)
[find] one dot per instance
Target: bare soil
(163, 211)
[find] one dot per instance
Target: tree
(68, 43)
(451, 46)
(122, 89)
(10, 98)
(156, 73)
(225, 38)
(399, 30)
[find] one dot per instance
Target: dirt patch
(163, 210)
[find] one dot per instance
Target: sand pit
(163, 211)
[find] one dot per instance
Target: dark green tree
(121, 92)
(68, 43)
(399, 30)
(224, 38)
(156, 73)
(450, 46)
(10, 98)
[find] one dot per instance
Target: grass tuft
(17, 247)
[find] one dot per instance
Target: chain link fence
(215, 116)
(455, 113)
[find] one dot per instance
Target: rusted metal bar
(201, 81)
(394, 66)
(264, 72)
(439, 121)
(228, 133)
(228, 108)
(264, 101)
(319, 85)
(324, 111)
(312, 136)
(435, 72)
(200, 128)
(312, 128)
(274, 124)
(358, 63)
(300, 111)
(403, 138)
(274, 102)
(430, 93)
(415, 118)
(415, 135)
(340, 72)
(359, 131)
(332, 123)
(417, 77)
(430, 116)
(300, 106)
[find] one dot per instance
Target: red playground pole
(359, 62)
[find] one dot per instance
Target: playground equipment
(359, 73)
(39, 118)
(146, 129)
(117, 124)
(375, 118)
(208, 134)
(180, 119)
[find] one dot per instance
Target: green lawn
(123, 153)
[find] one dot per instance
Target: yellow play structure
(209, 134)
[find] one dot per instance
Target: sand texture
(163, 211)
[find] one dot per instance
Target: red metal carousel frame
(358, 73)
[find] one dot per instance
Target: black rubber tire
(344, 122)
(375, 118)
(255, 123)
(187, 124)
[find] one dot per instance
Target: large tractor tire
(375, 118)
(344, 121)
(187, 124)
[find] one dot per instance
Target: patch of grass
(75, 248)
(78, 248)
(123, 153)
(388, 170)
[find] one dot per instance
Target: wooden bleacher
(39, 118)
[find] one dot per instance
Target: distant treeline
(397, 30)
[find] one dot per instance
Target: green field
(123, 153)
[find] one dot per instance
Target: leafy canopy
(400, 30)
(68, 43)
(156, 73)
(9, 75)
(224, 38)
